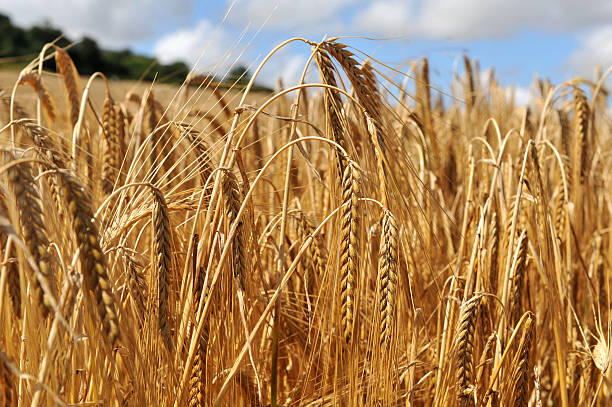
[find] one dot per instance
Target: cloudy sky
(554, 38)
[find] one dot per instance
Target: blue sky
(553, 38)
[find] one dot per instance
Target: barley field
(365, 238)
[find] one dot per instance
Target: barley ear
(520, 375)
(13, 279)
(233, 200)
(33, 229)
(112, 139)
(197, 383)
(387, 277)
(32, 79)
(349, 224)
(91, 256)
(581, 132)
(160, 252)
(465, 349)
(518, 277)
(70, 76)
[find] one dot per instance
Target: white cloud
(595, 49)
(454, 19)
(386, 17)
(205, 46)
(466, 19)
(299, 16)
(522, 95)
(112, 23)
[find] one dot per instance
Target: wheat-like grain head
(349, 248)
(31, 219)
(161, 261)
(465, 349)
(387, 277)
